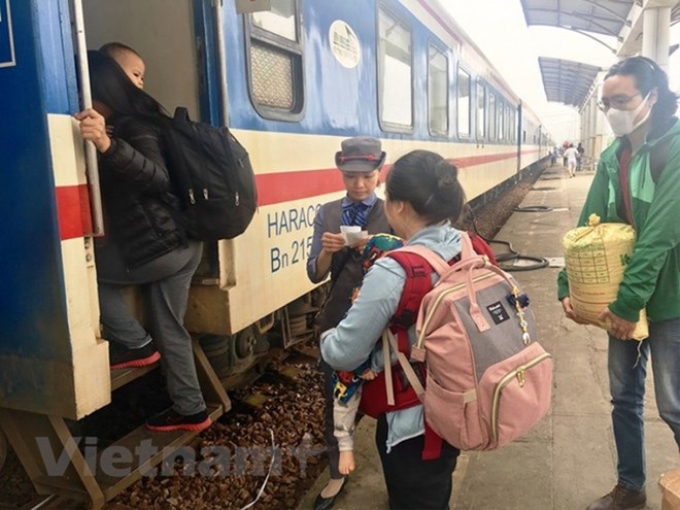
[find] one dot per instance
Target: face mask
(621, 121)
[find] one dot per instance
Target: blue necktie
(355, 214)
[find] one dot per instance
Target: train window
(275, 61)
(501, 121)
(463, 103)
(513, 128)
(395, 74)
(492, 117)
(438, 92)
(481, 111)
(280, 20)
(507, 123)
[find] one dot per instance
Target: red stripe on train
(73, 209)
(480, 160)
(73, 204)
(287, 186)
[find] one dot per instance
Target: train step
(148, 450)
(79, 469)
(120, 378)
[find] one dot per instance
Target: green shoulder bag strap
(658, 157)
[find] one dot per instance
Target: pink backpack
(488, 380)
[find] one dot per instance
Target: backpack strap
(658, 157)
(432, 447)
(467, 246)
(435, 261)
(418, 283)
(481, 247)
(418, 263)
(389, 341)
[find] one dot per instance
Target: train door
(170, 38)
(163, 33)
(176, 41)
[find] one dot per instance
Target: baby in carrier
(347, 385)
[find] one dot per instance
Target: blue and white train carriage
(291, 82)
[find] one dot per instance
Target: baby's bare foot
(346, 462)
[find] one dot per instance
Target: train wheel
(3, 449)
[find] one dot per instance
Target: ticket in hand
(352, 234)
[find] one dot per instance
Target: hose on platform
(512, 255)
(533, 208)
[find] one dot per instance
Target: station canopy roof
(567, 82)
(606, 17)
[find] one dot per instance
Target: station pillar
(656, 31)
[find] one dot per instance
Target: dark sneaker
(171, 420)
(122, 357)
(621, 498)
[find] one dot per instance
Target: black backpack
(211, 174)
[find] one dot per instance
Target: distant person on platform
(571, 155)
(627, 188)
(579, 157)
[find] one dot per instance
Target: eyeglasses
(616, 102)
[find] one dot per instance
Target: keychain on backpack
(517, 298)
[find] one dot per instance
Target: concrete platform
(569, 460)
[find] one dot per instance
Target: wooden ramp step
(121, 464)
(137, 454)
(120, 378)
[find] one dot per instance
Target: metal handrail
(92, 167)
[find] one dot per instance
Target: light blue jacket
(358, 335)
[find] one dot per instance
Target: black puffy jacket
(140, 212)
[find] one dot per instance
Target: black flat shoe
(321, 503)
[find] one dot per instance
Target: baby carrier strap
(391, 390)
(418, 283)
(432, 447)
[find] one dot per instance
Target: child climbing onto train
(144, 245)
(347, 385)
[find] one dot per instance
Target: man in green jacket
(638, 182)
